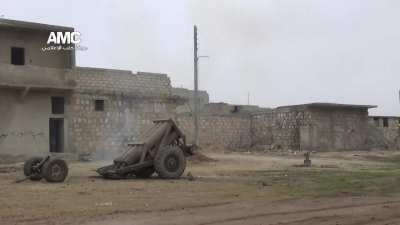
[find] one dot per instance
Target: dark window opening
(57, 105)
(17, 56)
(56, 135)
(99, 105)
(235, 109)
(376, 121)
(385, 122)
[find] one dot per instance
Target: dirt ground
(264, 189)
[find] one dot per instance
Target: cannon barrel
(134, 153)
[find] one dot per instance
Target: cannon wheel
(145, 172)
(170, 162)
(28, 168)
(55, 170)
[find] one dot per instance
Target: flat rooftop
(17, 24)
(332, 105)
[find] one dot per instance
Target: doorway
(56, 135)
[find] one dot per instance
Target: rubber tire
(50, 165)
(160, 162)
(145, 172)
(28, 168)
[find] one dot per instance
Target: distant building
(315, 126)
(386, 134)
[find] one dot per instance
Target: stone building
(50, 105)
(188, 95)
(315, 126)
(385, 132)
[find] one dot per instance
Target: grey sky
(281, 51)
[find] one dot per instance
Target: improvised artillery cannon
(162, 149)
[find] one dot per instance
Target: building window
(235, 109)
(99, 105)
(17, 56)
(57, 105)
(376, 121)
(385, 122)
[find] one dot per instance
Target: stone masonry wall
(231, 132)
(279, 129)
(131, 102)
(142, 84)
(336, 129)
(384, 135)
(105, 134)
(188, 95)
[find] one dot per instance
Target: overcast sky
(281, 51)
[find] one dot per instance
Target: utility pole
(248, 98)
(196, 87)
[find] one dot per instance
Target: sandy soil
(224, 192)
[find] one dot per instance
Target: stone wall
(280, 128)
(105, 134)
(94, 80)
(311, 128)
(336, 129)
(384, 132)
(229, 131)
(131, 102)
(188, 96)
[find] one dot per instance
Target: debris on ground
(198, 157)
(85, 157)
(8, 168)
(190, 176)
(9, 159)
(329, 166)
(104, 204)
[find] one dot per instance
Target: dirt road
(351, 188)
(302, 212)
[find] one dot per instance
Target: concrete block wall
(337, 129)
(221, 131)
(132, 101)
(384, 137)
(119, 81)
(106, 134)
(280, 128)
(188, 96)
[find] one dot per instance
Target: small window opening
(57, 105)
(17, 56)
(376, 121)
(235, 109)
(99, 105)
(385, 122)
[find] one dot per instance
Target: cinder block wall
(337, 129)
(132, 101)
(319, 129)
(142, 85)
(220, 131)
(384, 137)
(280, 128)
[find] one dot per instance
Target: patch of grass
(318, 182)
